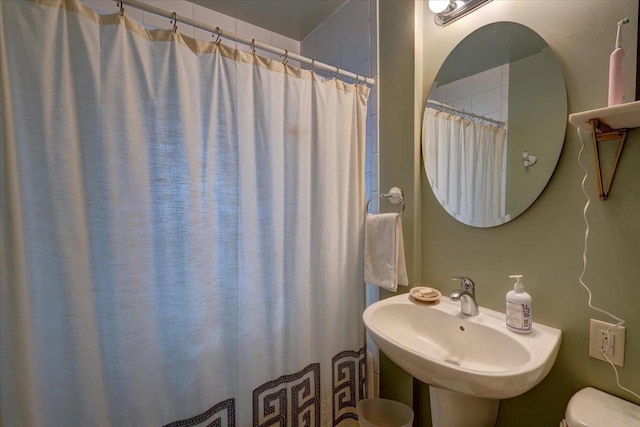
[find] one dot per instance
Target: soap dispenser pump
(518, 314)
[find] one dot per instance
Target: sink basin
(475, 356)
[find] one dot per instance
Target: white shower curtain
(181, 229)
(464, 164)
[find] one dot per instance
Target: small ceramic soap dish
(423, 293)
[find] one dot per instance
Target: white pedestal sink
(470, 363)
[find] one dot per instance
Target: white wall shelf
(622, 116)
(606, 125)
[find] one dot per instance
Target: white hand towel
(384, 263)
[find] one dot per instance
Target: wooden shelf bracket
(603, 133)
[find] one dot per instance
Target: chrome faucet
(466, 295)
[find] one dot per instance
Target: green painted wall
(396, 151)
(545, 243)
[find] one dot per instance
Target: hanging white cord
(620, 322)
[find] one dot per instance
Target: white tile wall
(461, 104)
(488, 102)
(355, 46)
(487, 80)
(373, 21)
(485, 93)
(109, 6)
(103, 6)
(458, 89)
(328, 34)
(330, 56)
(309, 45)
(251, 31)
(505, 93)
(438, 93)
(202, 14)
(352, 14)
(180, 7)
(215, 19)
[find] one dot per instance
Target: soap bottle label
(519, 316)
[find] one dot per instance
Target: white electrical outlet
(607, 342)
(600, 337)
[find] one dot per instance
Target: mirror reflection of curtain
(181, 229)
(465, 164)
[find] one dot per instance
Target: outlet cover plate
(597, 334)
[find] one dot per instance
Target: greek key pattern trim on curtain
(349, 384)
(224, 412)
(294, 397)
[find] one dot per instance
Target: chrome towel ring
(395, 196)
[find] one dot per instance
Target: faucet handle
(465, 283)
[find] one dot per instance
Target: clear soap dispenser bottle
(518, 308)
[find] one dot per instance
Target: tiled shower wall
(485, 93)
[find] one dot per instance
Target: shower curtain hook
(335, 76)
(253, 46)
(121, 5)
(217, 35)
(286, 57)
(313, 65)
(174, 20)
(357, 81)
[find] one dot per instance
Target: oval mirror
(494, 124)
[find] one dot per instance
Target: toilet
(593, 408)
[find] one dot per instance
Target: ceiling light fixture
(447, 11)
(439, 6)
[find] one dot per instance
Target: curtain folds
(181, 229)
(465, 167)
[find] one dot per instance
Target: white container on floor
(384, 412)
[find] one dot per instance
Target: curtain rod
(249, 42)
(444, 107)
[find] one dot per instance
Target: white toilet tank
(593, 408)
